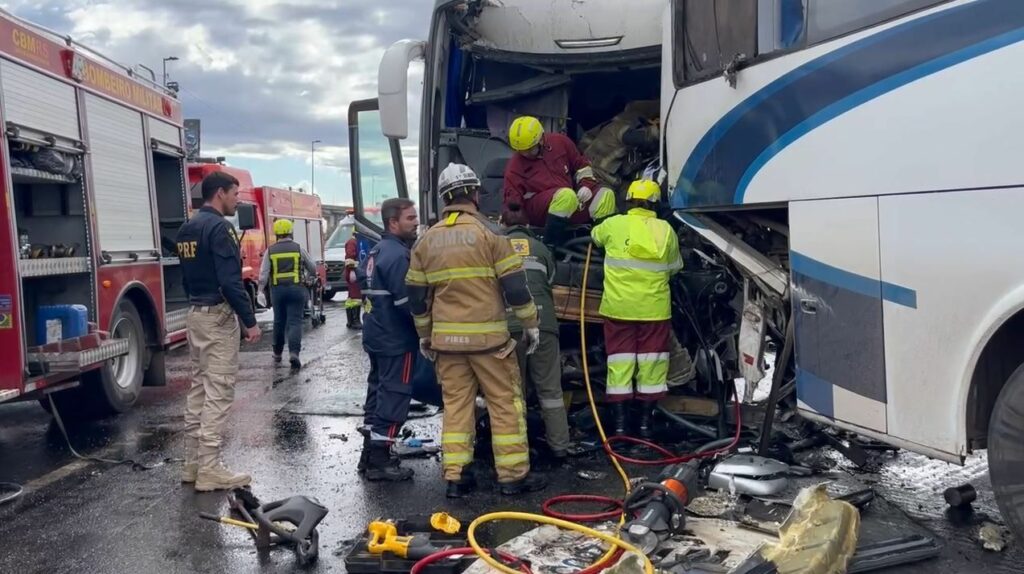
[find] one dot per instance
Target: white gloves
(425, 349)
(533, 338)
(584, 194)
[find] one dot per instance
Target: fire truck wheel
(329, 294)
(1006, 452)
(116, 386)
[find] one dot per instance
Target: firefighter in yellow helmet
(462, 273)
(641, 255)
(552, 180)
(285, 266)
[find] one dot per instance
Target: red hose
(548, 505)
(670, 457)
(418, 567)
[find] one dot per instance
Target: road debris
(962, 495)
(592, 475)
(819, 537)
(341, 437)
(994, 537)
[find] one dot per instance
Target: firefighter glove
(533, 340)
(584, 194)
(425, 349)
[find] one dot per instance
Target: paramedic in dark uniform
(284, 267)
(390, 339)
(212, 267)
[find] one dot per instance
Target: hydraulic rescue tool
(288, 522)
(659, 508)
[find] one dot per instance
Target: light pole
(168, 59)
(312, 165)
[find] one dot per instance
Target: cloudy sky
(266, 77)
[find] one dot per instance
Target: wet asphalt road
(81, 516)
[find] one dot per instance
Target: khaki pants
(214, 340)
(461, 376)
(543, 370)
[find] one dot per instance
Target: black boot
(460, 488)
(381, 467)
(364, 457)
(646, 428)
(357, 321)
(620, 410)
(294, 362)
(348, 317)
(529, 483)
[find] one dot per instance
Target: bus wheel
(115, 386)
(1006, 452)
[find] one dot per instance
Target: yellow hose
(524, 516)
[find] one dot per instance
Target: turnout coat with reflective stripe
(462, 273)
(641, 254)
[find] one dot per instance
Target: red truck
(259, 208)
(92, 173)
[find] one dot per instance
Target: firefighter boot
(460, 488)
(364, 456)
(213, 475)
(357, 321)
(529, 483)
(381, 467)
(191, 466)
(619, 412)
(348, 317)
(646, 427)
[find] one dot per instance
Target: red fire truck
(266, 205)
(93, 180)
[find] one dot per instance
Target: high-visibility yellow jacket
(641, 254)
(462, 272)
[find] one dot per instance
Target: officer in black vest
(283, 268)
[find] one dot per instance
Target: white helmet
(456, 179)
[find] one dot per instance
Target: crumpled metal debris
(994, 537)
(819, 537)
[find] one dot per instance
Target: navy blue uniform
(389, 338)
(211, 264)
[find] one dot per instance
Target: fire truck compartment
(54, 244)
(169, 184)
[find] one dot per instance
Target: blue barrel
(57, 322)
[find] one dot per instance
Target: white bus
(852, 163)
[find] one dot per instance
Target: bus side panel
(837, 303)
(958, 262)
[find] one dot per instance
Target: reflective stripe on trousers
(461, 377)
(564, 203)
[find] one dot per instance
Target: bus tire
(116, 385)
(1006, 452)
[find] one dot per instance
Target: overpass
(333, 214)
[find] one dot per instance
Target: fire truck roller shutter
(35, 101)
(164, 132)
(316, 241)
(120, 183)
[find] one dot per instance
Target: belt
(207, 308)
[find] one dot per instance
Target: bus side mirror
(393, 86)
(246, 213)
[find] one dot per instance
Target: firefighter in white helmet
(462, 273)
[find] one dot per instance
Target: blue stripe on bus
(730, 153)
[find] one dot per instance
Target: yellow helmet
(282, 227)
(525, 133)
(644, 190)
